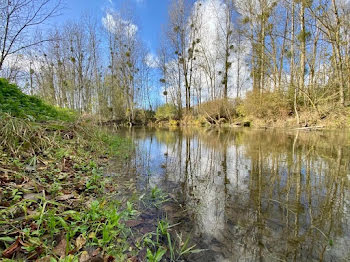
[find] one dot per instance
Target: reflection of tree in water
(263, 195)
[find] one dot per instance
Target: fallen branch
(310, 127)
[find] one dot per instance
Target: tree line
(210, 51)
(297, 50)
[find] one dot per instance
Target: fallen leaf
(33, 226)
(63, 176)
(96, 252)
(147, 229)
(32, 196)
(60, 249)
(29, 185)
(84, 257)
(33, 213)
(65, 197)
(108, 259)
(133, 223)
(80, 242)
(44, 259)
(8, 252)
(97, 259)
(30, 169)
(133, 259)
(168, 208)
(92, 235)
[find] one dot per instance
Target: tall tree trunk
(238, 76)
(283, 51)
(227, 51)
(339, 60)
(292, 66)
(262, 52)
(302, 47)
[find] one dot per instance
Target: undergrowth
(53, 193)
(56, 204)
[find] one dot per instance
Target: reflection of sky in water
(250, 196)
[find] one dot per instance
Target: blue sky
(149, 15)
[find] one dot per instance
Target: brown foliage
(219, 109)
(269, 105)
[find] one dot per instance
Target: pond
(251, 195)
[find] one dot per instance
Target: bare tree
(19, 19)
(182, 34)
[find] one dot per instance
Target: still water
(252, 195)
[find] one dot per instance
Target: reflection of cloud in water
(256, 194)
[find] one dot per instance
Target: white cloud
(22, 62)
(114, 23)
(151, 60)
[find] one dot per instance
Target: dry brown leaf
(44, 259)
(133, 223)
(32, 196)
(96, 252)
(12, 249)
(84, 257)
(108, 258)
(97, 259)
(133, 259)
(65, 197)
(80, 242)
(60, 249)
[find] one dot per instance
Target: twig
(8, 170)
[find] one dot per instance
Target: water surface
(251, 195)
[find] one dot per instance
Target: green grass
(167, 242)
(44, 166)
(18, 104)
(56, 204)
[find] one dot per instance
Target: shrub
(166, 112)
(218, 109)
(142, 116)
(270, 105)
(18, 104)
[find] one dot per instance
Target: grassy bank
(18, 104)
(54, 199)
(56, 204)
